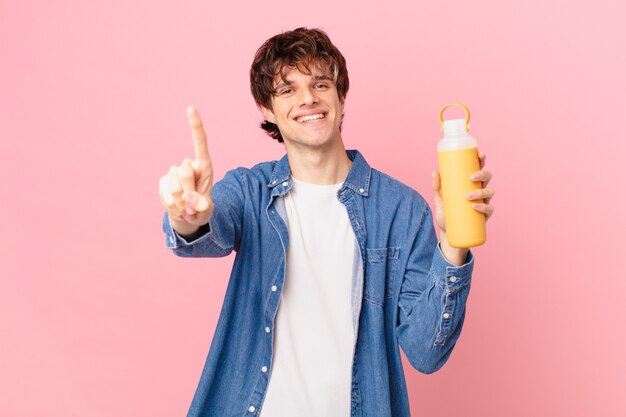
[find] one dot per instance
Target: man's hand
(456, 255)
(185, 190)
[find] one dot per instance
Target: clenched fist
(185, 190)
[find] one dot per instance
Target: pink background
(97, 318)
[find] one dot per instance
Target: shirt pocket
(380, 274)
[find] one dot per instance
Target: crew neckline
(297, 181)
(316, 186)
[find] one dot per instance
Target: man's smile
(309, 118)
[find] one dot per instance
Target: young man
(337, 263)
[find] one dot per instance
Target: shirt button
(453, 279)
(264, 369)
(361, 190)
(267, 330)
(274, 182)
(446, 315)
(285, 184)
(274, 288)
(251, 409)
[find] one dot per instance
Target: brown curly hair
(300, 48)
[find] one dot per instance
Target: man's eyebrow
(321, 77)
(286, 83)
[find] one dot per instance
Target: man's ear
(268, 114)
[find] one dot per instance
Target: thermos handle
(467, 114)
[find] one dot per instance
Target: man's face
(307, 109)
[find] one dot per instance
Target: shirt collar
(358, 178)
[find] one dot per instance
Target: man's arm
(437, 281)
(431, 304)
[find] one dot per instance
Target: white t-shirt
(311, 371)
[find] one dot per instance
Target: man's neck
(328, 165)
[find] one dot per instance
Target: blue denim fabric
(405, 292)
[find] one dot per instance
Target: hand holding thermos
(461, 194)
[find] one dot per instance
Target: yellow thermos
(458, 158)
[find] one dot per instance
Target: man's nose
(308, 97)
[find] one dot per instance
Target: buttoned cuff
(173, 240)
(450, 276)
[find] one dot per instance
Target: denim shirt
(404, 292)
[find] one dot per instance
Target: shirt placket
(354, 206)
(278, 222)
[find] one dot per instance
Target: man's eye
(321, 85)
(285, 91)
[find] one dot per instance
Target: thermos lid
(454, 127)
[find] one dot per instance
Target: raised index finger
(197, 132)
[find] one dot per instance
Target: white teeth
(311, 117)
